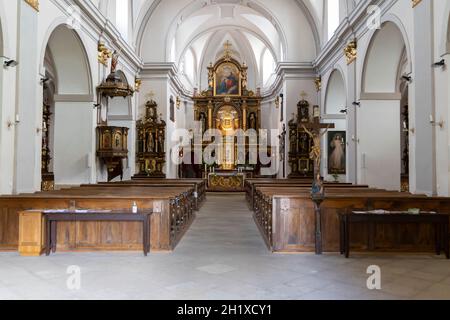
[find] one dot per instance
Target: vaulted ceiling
(191, 33)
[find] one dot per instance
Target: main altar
(232, 109)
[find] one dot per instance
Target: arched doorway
(68, 97)
(386, 72)
(335, 155)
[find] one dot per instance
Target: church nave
(223, 257)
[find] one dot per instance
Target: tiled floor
(222, 257)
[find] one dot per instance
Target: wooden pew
(200, 185)
(286, 218)
(169, 222)
(252, 186)
(199, 193)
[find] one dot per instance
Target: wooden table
(53, 217)
(439, 221)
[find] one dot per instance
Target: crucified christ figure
(316, 152)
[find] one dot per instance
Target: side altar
(229, 107)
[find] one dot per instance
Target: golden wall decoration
(351, 51)
(34, 4)
(415, 3)
(318, 83)
(104, 54)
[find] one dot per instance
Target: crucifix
(227, 49)
(282, 138)
(151, 95)
(316, 131)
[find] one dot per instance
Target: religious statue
(252, 121)
(114, 61)
(160, 142)
(150, 143)
(317, 186)
(202, 122)
(316, 151)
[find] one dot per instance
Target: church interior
(224, 149)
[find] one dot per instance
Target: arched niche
(336, 97)
(66, 64)
(71, 62)
(379, 125)
(381, 65)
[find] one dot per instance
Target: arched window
(333, 17)
(268, 65)
(189, 65)
(122, 14)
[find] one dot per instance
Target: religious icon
(117, 139)
(150, 143)
(227, 80)
(303, 111)
(336, 152)
(202, 122)
(252, 121)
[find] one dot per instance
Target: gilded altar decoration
(223, 182)
(151, 136)
(34, 4)
(48, 178)
(351, 51)
(228, 106)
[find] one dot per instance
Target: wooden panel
(31, 233)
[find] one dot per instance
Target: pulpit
(112, 149)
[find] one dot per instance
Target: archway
(335, 158)
(386, 69)
(68, 95)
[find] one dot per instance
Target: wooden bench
(172, 217)
(292, 220)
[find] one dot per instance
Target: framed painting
(227, 80)
(337, 148)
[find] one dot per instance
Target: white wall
(73, 143)
(379, 162)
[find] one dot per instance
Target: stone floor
(223, 257)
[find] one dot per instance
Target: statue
(150, 143)
(317, 186)
(316, 152)
(114, 61)
(252, 121)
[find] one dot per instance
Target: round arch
(73, 116)
(399, 39)
(82, 66)
(336, 93)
